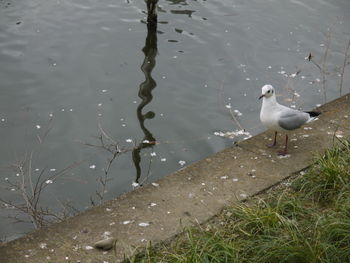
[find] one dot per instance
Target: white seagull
(280, 118)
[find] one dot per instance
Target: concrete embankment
(191, 195)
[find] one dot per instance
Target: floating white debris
(163, 159)
(233, 134)
(318, 105)
(126, 222)
(104, 90)
(99, 105)
(190, 195)
(182, 163)
(135, 184)
(112, 223)
(155, 184)
(124, 125)
(305, 135)
(247, 78)
(243, 195)
(52, 170)
(153, 154)
(128, 140)
(152, 204)
(224, 177)
(144, 224)
(92, 166)
(145, 141)
(6, 178)
(228, 106)
(238, 113)
(269, 67)
(3, 119)
(108, 209)
(235, 179)
(48, 181)
(38, 126)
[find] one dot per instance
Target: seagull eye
(268, 91)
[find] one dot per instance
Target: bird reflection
(145, 93)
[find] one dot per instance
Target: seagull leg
(284, 152)
(274, 141)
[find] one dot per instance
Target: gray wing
(293, 120)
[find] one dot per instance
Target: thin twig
(343, 68)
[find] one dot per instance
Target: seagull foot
(272, 145)
(282, 153)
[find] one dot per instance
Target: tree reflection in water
(145, 93)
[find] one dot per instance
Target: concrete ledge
(193, 194)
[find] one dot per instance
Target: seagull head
(267, 91)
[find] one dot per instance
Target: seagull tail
(313, 114)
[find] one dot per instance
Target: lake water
(71, 70)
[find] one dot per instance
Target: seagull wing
(292, 119)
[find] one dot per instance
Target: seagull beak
(262, 95)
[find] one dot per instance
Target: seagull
(280, 118)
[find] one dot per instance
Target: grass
(308, 221)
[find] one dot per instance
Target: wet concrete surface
(191, 195)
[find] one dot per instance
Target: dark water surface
(87, 64)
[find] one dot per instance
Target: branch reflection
(145, 93)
